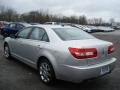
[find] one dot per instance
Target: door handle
(38, 45)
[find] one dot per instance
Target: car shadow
(92, 84)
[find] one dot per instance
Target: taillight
(111, 49)
(83, 53)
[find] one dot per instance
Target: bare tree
(42, 16)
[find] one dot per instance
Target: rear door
(35, 43)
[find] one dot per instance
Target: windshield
(72, 34)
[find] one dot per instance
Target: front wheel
(46, 72)
(7, 51)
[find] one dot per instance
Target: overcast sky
(91, 8)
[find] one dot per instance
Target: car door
(17, 44)
(35, 43)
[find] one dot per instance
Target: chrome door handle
(38, 45)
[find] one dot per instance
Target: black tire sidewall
(6, 45)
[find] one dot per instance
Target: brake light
(83, 53)
(111, 49)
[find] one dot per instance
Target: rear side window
(45, 38)
(38, 34)
(35, 34)
(72, 34)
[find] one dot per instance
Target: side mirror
(13, 36)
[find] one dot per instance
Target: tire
(46, 72)
(7, 53)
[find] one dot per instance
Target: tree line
(10, 15)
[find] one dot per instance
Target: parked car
(94, 28)
(2, 25)
(13, 28)
(116, 27)
(61, 52)
(83, 27)
(105, 29)
(34, 23)
(52, 23)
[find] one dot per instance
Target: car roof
(24, 24)
(52, 26)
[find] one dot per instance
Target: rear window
(72, 34)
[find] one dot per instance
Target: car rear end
(84, 59)
(80, 62)
(2, 26)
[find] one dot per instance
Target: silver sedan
(61, 52)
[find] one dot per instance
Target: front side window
(19, 26)
(72, 34)
(24, 33)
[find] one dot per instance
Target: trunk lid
(100, 45)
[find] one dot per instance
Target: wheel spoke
(45, 72)
(6, 51)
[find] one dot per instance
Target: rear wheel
(7, 51)
(46, 72)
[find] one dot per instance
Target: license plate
(105, 70)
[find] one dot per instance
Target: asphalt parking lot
(15, 75)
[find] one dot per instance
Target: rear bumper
(78, 73)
